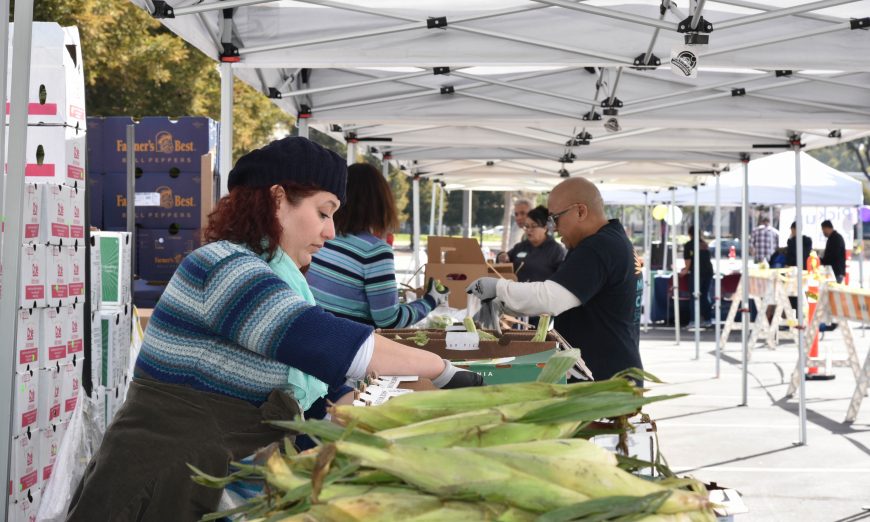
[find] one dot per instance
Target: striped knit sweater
(355, 277)
(227, 324)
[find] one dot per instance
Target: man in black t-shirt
(835, 250)
(595, 294)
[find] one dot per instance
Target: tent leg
(676, 275)
(351, 153)
(441, 212)
(799, 249)
(226, 144)
(717, 227)
(696, 279)
(302, 127)
(860, 255)
(647, 259)
(432, 208)
(744, 278)
(466, 213)
(13, 194)
(506, 221)
(415, 238)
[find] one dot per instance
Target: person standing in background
(791, 248)
(835, 250)
(522, 207)
(705, 277)
(764, 241)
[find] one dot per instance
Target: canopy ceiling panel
(541, 32)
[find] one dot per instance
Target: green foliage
(136, 67)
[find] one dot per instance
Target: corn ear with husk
(445, 472)
(541, 332)
(491, 435)
(416, 407)
(571, 450)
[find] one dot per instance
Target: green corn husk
(445, 472)
(558, 365)
(492, 435)
(407, 506)
(634, 508)
(541, 332)
(579, 450)
(486, 336)
(420, 338)
(469, 325)
(416, 407)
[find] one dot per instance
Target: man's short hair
(827, 224)
(765, 221)
(794, 224)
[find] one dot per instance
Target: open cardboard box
(519, 360)
(456, 262)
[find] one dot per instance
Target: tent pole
(744, 279)
(696, 273)
(860, 255)
(302, 127)
(415, 238)
(385, 167)
(226, 144)
(665, 233)
(799, 249)
(506, 221)
(14, 194)
(351, 152)
(717, 227)
(647, 259)
(466, 213)
(441, 212)
(432, 208)
(676, 275)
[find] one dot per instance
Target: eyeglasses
(553, 219)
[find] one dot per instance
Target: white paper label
(462, 341)
(147, 199)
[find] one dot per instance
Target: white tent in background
(772, 182)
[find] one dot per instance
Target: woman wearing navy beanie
(236, 339)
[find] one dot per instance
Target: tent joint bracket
(641, 63)
(436, 22)
(741, 91)
(591, 116)
(440, 70)
(447, 89)
(855, 23)
(162, 10)
(230, 53)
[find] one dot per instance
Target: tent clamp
(855, 23)
(741, 91)
(441, 70)
(230, 53)
(835, 134)
(448, 90)
(786, 72)
(387, 156)
(490, 163)
(641, 62)
(304, 111)
(350, 137)
(591, 116)
(611, 106)
(703, 26)
(274, 93)
(568, 157)
(582, 138)
(437, 22)
(334, 127)
(163, 10)
(563, 173)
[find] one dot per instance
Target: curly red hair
(247, 215)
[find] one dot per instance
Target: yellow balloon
(659, 212)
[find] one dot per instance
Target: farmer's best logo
(163, 148)
(685, 61)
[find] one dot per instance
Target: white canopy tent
(772, 182)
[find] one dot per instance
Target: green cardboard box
(518, 359)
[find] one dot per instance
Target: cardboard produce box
(32, 215)
(161, 251)
(26, 402)
(32, 293)
(27, 344)
(53, 337)
(76, 273)
(456, 262)
(518, 360)
(49, 446)
(186, 197)
(115, 266)
(50, 397)
(25, 467)
(57, 281)
(161, 143)
(55, 154)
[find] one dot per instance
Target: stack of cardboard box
(49, 348)
(176, 188)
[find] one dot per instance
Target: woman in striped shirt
(354, 275)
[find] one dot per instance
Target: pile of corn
(509, 452)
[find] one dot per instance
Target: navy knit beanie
(291, 159)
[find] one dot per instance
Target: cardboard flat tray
(518, 344)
